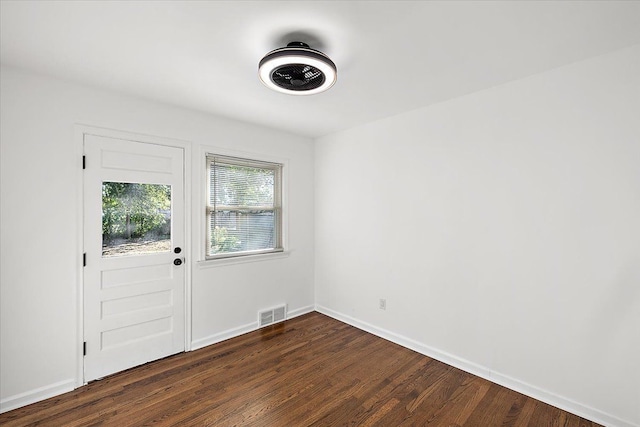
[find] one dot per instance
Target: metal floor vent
(272, 315)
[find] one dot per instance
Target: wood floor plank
(308, 371)
(526, 413)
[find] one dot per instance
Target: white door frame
(79, 132)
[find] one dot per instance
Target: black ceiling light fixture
(297, 70)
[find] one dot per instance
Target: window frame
(278, 205)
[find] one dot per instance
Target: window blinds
(244, 206)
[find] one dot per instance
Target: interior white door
(134, 276)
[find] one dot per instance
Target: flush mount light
(297, 70)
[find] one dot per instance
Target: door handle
(177, 261)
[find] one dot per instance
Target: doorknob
(177, 261)
(177, 250)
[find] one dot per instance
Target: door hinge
(84, 348)
(84, 162)
(84, 259)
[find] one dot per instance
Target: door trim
(80, 131)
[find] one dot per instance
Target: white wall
(39, 182)
(503, 229)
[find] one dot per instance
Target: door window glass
(136, 218)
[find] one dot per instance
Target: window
(244, 210)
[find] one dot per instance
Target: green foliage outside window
(222, 241)
(135, 210)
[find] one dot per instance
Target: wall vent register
(272, 315)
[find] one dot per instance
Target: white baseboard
(249, 327)
(36, 395)
(300, 311)
(484, 372)
(223, 336)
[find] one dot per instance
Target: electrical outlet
(383, 304)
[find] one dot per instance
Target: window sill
(222, 262)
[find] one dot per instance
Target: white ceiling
(392, 56)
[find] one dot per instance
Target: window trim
(279, 168)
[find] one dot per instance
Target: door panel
(134, 219)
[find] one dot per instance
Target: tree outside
(134, 215)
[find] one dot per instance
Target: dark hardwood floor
(308, 371)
